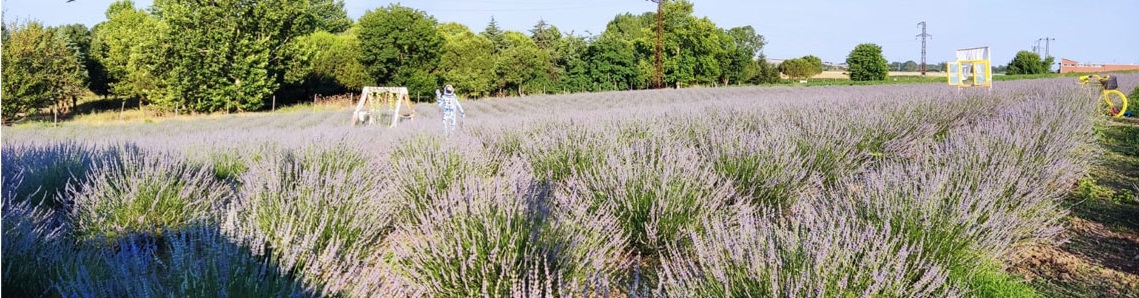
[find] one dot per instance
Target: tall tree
(494, 33)
(402, 46)
(638, 31)
(548, 39)
(545, 35)
(572, 58)
(467, 61)
(39, 70)
(98, 80)
(330, 15)
(866, 63)
(230, 55)
(692, 46)
(740, 48)
(521, 65)
(78, 39)
(613, 65)
(327, 64)
(131, 57)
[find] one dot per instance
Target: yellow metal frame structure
(981, 71)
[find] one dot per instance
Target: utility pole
(1047, 43)
(658, 64)
(923, 36)
(1036, 48)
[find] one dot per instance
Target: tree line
(237, 55)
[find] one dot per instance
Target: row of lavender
(820, 192)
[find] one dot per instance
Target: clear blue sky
(1088, 31)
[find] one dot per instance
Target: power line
(923, 36)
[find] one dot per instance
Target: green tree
(327, 64)
(468, 60)
(638, 31)
(229, 55)
(330, 15)
(692, 46)
(867, 64)
(740, 48)
(131, 58)
(402, 47)
(78, 39)
(521, 65)
(494, 33)
(98, 80)
(571, 58)
(816, 64)
(1026, 62)
(797, 68)
(763, 72)
(613, 65)
(40, 70)
(910, 66)
(547, 37)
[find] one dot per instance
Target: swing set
(377, 102)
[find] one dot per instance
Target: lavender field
(883, 191)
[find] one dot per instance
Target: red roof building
(1069, 66)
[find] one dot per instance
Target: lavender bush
(33, 238)
(318, 214)
(749, 255)
(494, 238)
(656, 190)
(143, 193)
(911, 191)
(46, 171)
(190, 262)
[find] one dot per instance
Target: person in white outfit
(449, 103)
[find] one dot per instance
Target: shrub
(494, 238)
(658, 192)
(42, 174)
(145, 192)
(556, 154)
(425, 169)
(749, 255)
(228, 166)
(34, 240)
(190, 262)
(765, 170)
(319, 213)
(982, 191)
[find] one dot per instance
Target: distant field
(839, 74)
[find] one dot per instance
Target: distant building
(1069, 66)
